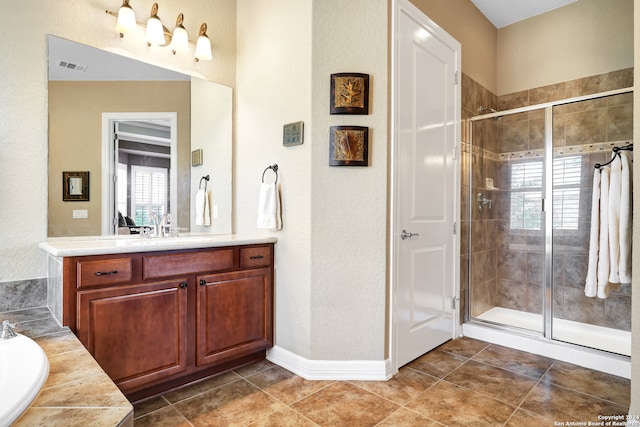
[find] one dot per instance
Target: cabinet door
(234, 315)
(137, 333)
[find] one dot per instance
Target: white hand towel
(591, 284)
(203, 215)
(603, 258)
(626, 203)
(269, 215)
(615, 177)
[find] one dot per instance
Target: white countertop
(101, 245)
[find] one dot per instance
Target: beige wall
(23, 92)
(75, 141)
(582, 39)
(473, 30)
(274, 88)
(635, 303)
(331, 253)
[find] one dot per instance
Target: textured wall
(635, 304)
(478, 36)
(274, 88)
(349, 204)
(582, 39)
(23, 92)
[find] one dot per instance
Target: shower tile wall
(483, 244)
(507, 265)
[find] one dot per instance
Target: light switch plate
(80, 214)
(196, 157)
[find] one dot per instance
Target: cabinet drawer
(255, 257)
(156, 266)
(104, 272)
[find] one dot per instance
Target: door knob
(406, 235)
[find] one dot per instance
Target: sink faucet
(165, 225)
(156, 226)
(7, 331)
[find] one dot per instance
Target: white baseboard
(364, 370)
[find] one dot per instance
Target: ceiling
(504, 12)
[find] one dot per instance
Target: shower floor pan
(598, 337)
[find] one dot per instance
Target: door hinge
(454, 302)
(455, 78)
(115, 178)
(455, 227)
(455, 152)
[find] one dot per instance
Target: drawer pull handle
(183, 285)
(203, 282)
(106, 273)
(257, 256)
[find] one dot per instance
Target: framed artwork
(349, 146)
(75, 186)
(349, 93)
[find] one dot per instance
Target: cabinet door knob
(203, 282)
(183, 285)
(257, 257)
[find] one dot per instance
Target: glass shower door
(585, 134)
(507, 227)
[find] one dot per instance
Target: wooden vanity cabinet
(157, 320)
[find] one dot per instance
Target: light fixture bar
(144, 25)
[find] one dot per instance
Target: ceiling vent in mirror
(72, 66)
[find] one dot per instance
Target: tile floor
(461, 383)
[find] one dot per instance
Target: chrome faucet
(156, 225)
(165, 225)
(7, 331)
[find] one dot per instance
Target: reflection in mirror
(131, 124)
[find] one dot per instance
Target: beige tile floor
(461, 383)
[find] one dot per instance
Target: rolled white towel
(613, 206)
(626, 217)
(603, 246)
(591, 284)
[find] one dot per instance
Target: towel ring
(206, 180)
(274, 168)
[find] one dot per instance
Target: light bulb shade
(155, 30)
(203, 45)
(126, 18)
(179, 38)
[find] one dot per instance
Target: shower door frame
(547, 209)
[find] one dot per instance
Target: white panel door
(427, 131)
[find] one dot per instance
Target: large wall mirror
(130, 127)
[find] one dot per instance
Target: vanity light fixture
(179, 38)
(155, 30)
(157, 34)
(126, 19)
(203, 46)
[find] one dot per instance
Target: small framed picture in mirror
(75, 186)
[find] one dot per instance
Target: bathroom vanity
(159, 313)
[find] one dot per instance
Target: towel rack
(206, 180)
(274, 168)
(616, 151)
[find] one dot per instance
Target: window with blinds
(526, 186)
(148, 192)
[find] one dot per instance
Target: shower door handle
(406, 235)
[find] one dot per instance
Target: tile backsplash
(23, 294)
